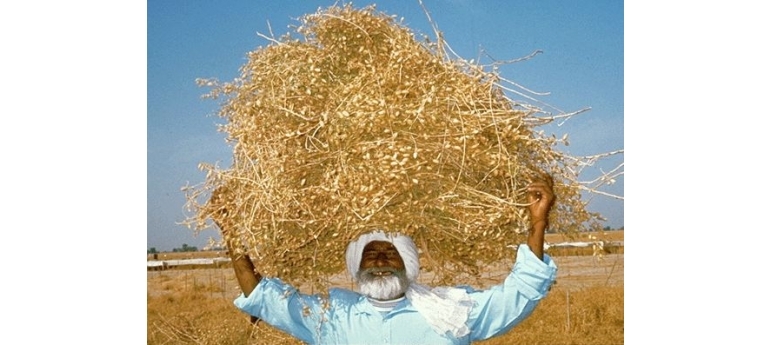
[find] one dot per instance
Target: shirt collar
(363, 306)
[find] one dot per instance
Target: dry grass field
(584, 307)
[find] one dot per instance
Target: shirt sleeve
(282, 306)
(503, 306)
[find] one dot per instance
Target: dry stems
(357, 126)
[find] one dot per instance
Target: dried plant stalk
(359, 126)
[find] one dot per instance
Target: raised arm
(245, 272)
(541, 198)
(506, 305)
(247, 275)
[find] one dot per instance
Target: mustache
(380, 270)
(375, 271)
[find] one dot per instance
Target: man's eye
(374, 255)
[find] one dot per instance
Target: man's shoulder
(343, 298)
(345, 294)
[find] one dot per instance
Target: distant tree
(152, 250)
(185, 248)
(607, 228)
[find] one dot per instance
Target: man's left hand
(540, 197)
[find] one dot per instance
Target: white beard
(382, 288)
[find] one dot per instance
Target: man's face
(381, 254)
(382, 273)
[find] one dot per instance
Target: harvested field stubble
(357, 125)
(592, 315)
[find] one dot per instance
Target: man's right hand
(245, 272)
(220, 213)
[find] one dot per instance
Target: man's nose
(381, 260)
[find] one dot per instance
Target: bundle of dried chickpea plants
(359, 126)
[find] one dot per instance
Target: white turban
(445, 308)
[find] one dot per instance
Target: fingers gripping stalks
(541, 198)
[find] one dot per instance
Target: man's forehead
(379, 245)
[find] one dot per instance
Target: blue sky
(581, 66)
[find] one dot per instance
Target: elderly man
(390, 307)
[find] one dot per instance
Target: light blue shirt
(347, 317)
